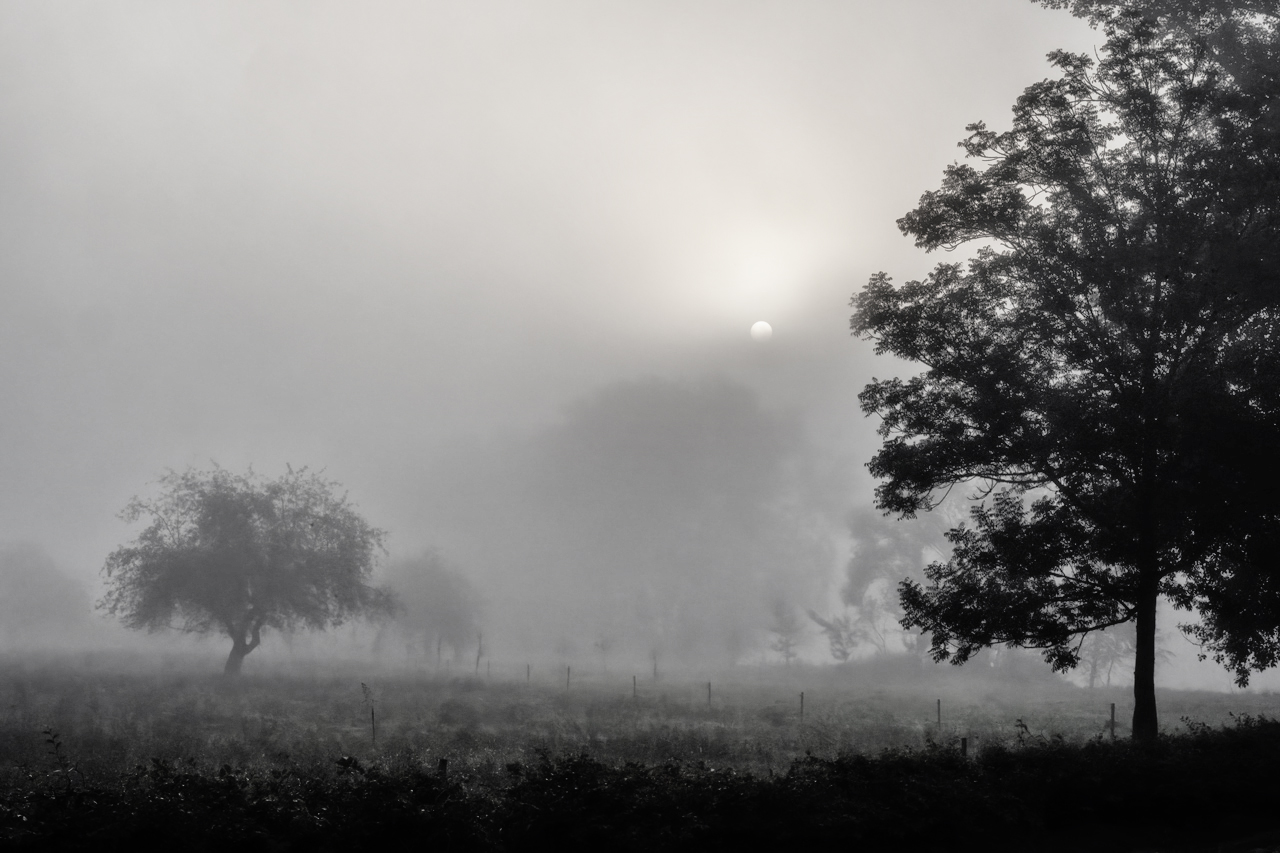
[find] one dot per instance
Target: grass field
(99, 752)
(112, 713)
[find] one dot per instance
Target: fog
(492, 267)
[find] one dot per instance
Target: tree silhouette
(1105, 371)
(239, 554)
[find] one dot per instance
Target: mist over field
(491, 267)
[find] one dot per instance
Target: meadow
(304, 751)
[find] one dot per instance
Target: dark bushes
(1191, 792)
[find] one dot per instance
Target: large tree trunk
(1145, 723)
(239, 649)
(240, 646)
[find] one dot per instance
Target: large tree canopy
(238, 554)
(1106, 370)
(1213, 14)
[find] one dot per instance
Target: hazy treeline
(655, 517)
(40, 606)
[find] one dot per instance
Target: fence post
(964, 747)
(708, 694)
(568, 670)
(939, 717)
(1113, 720)
(528, 668)
(633, 687)
(802, 706)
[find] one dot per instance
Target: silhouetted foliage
(1110, 356)
(239, 554)
(1227, 20)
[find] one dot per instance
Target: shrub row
(1189, 792)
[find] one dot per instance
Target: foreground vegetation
(101, 759)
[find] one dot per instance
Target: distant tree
(438, 606)
(786, 631)
(239, 554)
(1111, 356)
(604, 644)
(39, 605)
(702, 497)
(1102, 650)
(886, 553)
(842, 635)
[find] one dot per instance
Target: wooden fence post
(1113, 720)
(802, 706)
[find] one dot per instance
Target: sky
(491, 266)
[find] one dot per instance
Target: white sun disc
(761, 331)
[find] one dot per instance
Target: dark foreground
(1208, 790)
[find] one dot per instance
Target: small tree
(604, 645)
(785, 630)
(239, 554)
(841, 633)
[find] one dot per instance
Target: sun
(761, 332)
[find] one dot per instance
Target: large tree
(1105, 372)
(239, 554)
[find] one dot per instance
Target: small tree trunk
(1145, 722)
